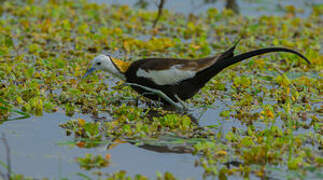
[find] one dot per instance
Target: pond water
(253, 8)
(38, 150)
(38, 145)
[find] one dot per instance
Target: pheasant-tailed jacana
(178, 79)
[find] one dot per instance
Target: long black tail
(228, 59)
(225, 62)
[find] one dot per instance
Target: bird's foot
(184, 105)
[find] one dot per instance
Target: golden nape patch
(123, 66)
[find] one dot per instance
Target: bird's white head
(108, 64)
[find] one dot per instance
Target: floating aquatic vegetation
(274, 101)
(90, 161)
(7, 110)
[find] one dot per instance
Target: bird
(174, 80)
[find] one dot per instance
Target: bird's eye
(98, 63)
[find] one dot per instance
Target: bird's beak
(89, 71)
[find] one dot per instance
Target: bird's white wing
(173, 75)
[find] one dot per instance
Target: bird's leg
(159, 93)
(137, 100)
(181, 102)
